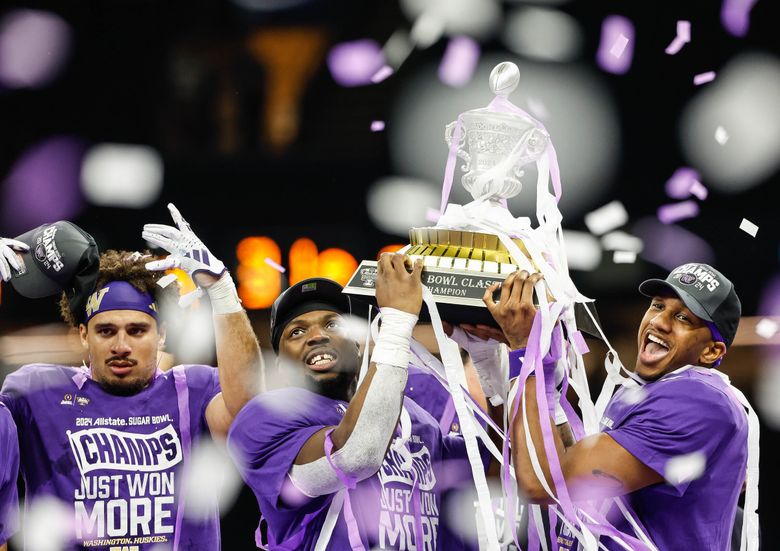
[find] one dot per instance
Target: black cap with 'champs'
(62, 257)
(706, 292)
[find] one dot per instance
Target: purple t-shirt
(428, 393)
(115, 459)
(269, 432)
(684, 412)
(9, 471)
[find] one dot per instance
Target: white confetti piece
(624, 257)
(621, 241)
(767, 328)
(606, 218)
(703, 78)
(209, 478)
(619, 46)
(748, 227)
(721, 136)
(685, 468)
(166, 280)
(275, 265)
(633, 395)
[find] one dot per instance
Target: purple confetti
(616, 48)
(377, 126)
(459, 61)
(43, 185)
(699, 191)
(383, 73)
(274, 265)
(579, 344)
(432, 215)
(703, 78)
(735, 16)
(34, 46)
(668, 214)
(680, 184)
(682, 38)
(355, 63)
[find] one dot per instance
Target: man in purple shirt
(110, 438)
(678, 446)
(9, 470)
(327, 459)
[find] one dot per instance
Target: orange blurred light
(337, 264)
(303, 260)
(259, 283)
(186, 285)
(390, 249)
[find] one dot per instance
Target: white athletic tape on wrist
(392, 343)
(224, 297)
(364, 451)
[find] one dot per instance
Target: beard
(123, 387)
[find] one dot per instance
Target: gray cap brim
(655, 287)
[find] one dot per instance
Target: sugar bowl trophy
(480, 243)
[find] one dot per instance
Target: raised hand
(186, 250)
(396, 287)
(515, 310)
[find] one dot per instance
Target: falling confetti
(432, 215)
(679, 185)
(166, 280)
(616, 48)
(459, 61)
(721, 136)
(703, 78)
(377, 126)
(683, 37)
(621, 241)
(698, 190)
(685, 468)
(624, 257)
(748, 227)
(767, 328)
(606, 218)
(619, 46)
(382, 74)
(668, 214)
(275, 265)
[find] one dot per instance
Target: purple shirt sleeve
(268, 433)
(681, 417)
(9, 470)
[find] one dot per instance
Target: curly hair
(124, 266)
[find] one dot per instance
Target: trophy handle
(462, 153)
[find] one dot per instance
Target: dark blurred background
(310, 133)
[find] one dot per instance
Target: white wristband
(395, 334)
(223, 296)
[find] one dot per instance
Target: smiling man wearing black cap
(676, 445)
(110, 439)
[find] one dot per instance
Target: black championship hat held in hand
(62, 257)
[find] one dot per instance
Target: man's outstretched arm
(238, 352)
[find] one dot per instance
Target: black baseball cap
(706, 292)
(62, 257)
(309, 295)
